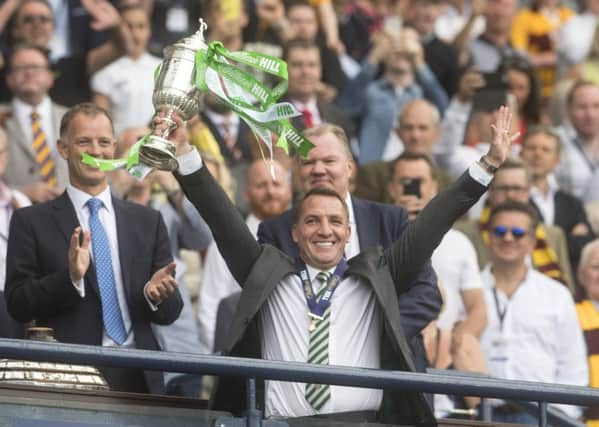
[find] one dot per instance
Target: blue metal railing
(435, 382)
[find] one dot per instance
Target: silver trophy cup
(174, 91)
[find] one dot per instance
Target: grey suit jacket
(22, 168)
(262, 267)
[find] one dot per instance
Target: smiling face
(509, 249)
(328, 165)
(92, 135)
(321, 231)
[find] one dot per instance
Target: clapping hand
(78, 254)
(502, 138)
(162, 284)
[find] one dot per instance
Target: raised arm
(423, 235)
(235, 242)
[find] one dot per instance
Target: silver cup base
(159, 153)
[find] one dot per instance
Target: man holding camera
(412, 186)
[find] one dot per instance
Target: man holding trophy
(287, 312)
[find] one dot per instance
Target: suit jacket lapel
(125, 237)
(14, 128)
(364, 224)
(66, 218)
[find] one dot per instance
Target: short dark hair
(512, 206)
(87, 109)
(407, 156)
(298, 43)
(319, 191)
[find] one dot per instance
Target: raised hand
(162, 284)
(178, 133)
(78, 254)
(104, 15)
(501, 144)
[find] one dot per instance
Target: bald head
(419, 127)
(266, 197)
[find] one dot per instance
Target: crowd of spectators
(402, 95)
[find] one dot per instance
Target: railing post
(542, 414)
(485, 409)
(254, 416)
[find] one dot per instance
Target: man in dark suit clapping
(96, 269)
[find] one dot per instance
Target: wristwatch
(486, 165)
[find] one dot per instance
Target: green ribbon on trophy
(256, 104)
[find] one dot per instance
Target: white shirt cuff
(479, 174)
(189, 162)
(153, 307)
(80, 287)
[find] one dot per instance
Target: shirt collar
(80, 198)
(312, 272)
(350, 210)
(220, 119)
(310, 105)
(23, 109)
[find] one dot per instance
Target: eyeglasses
(31, 19)
(32, 68)
(507, 188)
(517, 232)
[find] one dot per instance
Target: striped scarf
(544, 258)
(588, 317)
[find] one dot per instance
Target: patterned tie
(111, 311)
(318, 350)
(42, 151)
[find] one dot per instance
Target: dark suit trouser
(129, 380)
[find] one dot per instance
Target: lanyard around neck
(318, 306)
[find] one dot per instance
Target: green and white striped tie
(318, 350)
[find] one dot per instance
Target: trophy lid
(194, 42)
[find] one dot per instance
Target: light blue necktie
(111, 311)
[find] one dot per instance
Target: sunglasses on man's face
(517, 232)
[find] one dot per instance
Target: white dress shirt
(312, 107)
(224, 123)
(217, 283)
(108, 219)
(8, 198)
(575, 170)
(22, 112)
(539, 339)
(354, 335)
(546, 202)
(354, 340)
